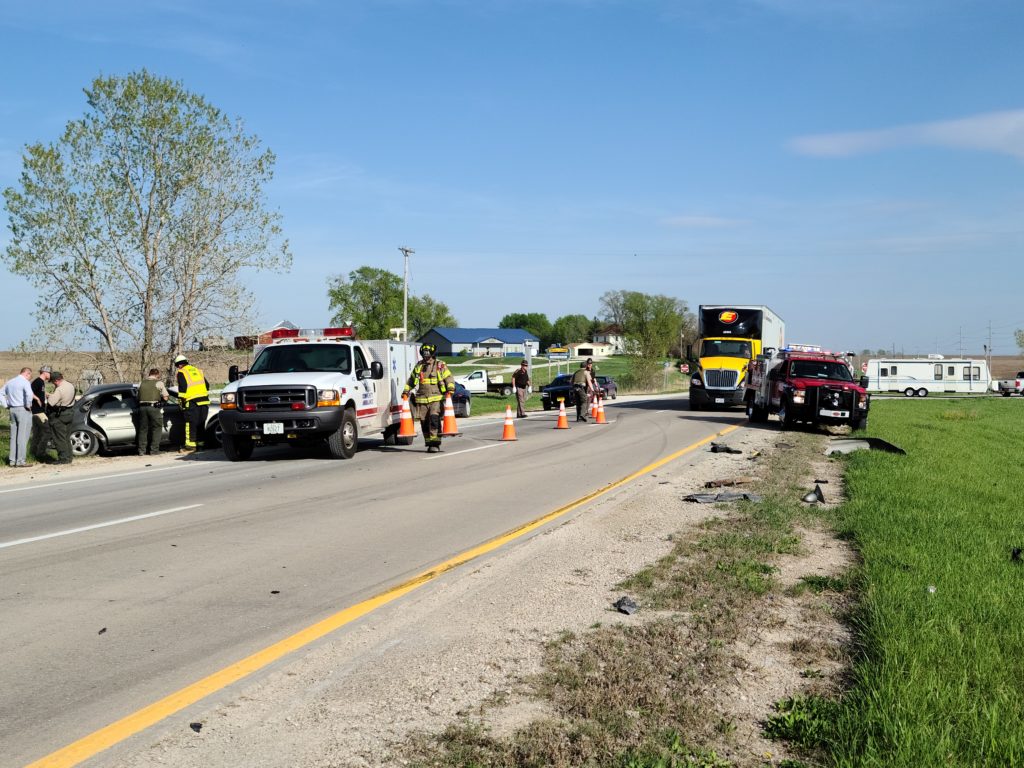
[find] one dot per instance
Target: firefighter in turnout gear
(194, 397)
(430, 381)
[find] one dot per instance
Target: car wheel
(214, 434)
(237, 448)
(922, 392)
(84, 443)
(615, 394)
(908, 392)
(466, 409)
(342, 444)
(547, 405)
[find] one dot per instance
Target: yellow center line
(116, 732)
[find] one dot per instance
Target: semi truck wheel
(342, 444)
(237, 448)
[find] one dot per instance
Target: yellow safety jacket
(195, 391)
(431, 381)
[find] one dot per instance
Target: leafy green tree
(536, 323)
(571, 328)
(137, 223)
(371, 299)
(652, 326)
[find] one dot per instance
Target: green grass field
(938, 673)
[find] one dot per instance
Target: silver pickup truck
(1007, 387)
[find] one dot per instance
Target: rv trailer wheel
(922, 392)
(908, 392)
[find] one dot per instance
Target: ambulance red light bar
(284, 333)
(347, 331)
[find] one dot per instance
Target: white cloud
(700, 222)
(1000, 132)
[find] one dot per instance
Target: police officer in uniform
(194, 397)
(431, 381)
(152, 395)
(581, 386)
(58, 410)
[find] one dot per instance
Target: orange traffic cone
(563, 420)
(509, 433)
(600, 412)
(406, 427)
(448, 427)
(593, 405)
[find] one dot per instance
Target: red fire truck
(804, 383)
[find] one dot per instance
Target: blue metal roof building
(481, 342)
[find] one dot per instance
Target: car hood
(318, 379)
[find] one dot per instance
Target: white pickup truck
(326, 388)
(1007, 387)
(480, 381)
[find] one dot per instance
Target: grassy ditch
(642, 695)
(941, 619)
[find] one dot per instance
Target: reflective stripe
(195, 386)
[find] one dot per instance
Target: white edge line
(88, 479)
(468, 450)
(4, 545)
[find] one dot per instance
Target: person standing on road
(152, 396)
(581, 391)
(58, 411)
(521, 379)
(194, 396)
(40, 427)
(18, 396)
(431, 381)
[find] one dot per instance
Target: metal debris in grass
(626, 605)
(741, 480)
(849, 445)
(815, 497)
(711, 498)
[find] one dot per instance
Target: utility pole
(405, 293)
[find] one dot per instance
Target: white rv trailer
(919, 376)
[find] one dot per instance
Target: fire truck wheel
(237, 448)
(860, 424)
(784, 420)
(342, 444)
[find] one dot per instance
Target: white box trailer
(920, 376)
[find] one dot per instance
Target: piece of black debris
(722, 448)
(815, 496)
(823, 482)
(197, 727)
(275, 591)
(851, 444)
(102, 631)
(711, 498)
(1015, 555)
(741, 480)
(625, 605)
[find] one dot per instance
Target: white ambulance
(311, 386)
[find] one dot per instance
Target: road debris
(197, 727)
(851, 444)
(626, 605)
(741, 480)
(711, 498)
(815, 496)
(723, 448)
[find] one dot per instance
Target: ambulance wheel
(342, 444)
(237, 448)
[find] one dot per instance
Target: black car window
(115, 401)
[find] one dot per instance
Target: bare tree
(136, 224)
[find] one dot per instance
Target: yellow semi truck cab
(730, 336)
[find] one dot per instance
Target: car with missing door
(104, 418)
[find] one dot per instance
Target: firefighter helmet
(428, 349)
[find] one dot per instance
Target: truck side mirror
(864, 381)
(233, 373)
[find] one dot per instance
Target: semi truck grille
(276, 398)
(719, 379)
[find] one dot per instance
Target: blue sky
(854, 164)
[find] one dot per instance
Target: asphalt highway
(118, 589)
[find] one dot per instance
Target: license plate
(834, 414)
(719, 399)
(273, 428)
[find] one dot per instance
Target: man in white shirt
(18, 394)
